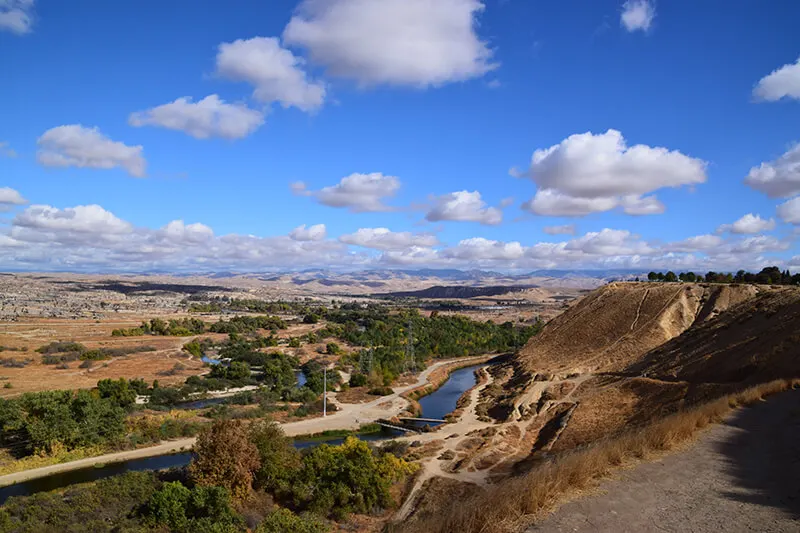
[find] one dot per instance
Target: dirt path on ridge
(742, 475)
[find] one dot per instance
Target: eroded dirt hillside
(613, 327)
(686, 344)
(754, 342)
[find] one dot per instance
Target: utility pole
(325, 391)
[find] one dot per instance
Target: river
(435, 405)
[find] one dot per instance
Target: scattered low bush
(285, 521)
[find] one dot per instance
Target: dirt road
(742, 475)
(350, 416)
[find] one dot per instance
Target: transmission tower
(365, 360)
(410, 362)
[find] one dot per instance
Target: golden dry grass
(513, 504)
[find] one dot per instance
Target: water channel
(435, 405)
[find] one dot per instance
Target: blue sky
(659, 125)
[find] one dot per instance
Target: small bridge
(385, 424)
(432, 420)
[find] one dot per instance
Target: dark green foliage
(358, 380)
(168, 396)
(118, 391)
(248, 324)
(279, 458)
(381, 391)
(315, 375)
(438, 336)
(75, 352)
(45, 420)
(216, 305)
(105, 506)
(339, 480)
(199, 510)
(332, 348)
(176, 328)
(62, 347)
(193, 348)
(13, 362)
(237, 371)
(767, 276)
(285, 521)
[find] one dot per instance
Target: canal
(435, 405)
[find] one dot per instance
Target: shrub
(338, 480)
(202, 509)
(62, 347)
(381, 391)
(358, 380)
(285, 521)
(332, 348)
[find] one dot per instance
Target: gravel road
(742, 475)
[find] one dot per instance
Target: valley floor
(742, 475)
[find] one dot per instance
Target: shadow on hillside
(142, 287)
(763, 458)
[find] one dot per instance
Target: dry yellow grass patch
(513, 504)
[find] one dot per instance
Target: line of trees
(186, 327)
(767, 276)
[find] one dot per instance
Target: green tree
(118, 391)
(200, 510)
(279, 458)
(338, 480)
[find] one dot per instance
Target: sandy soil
(742, 475)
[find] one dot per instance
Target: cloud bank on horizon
(394, 124)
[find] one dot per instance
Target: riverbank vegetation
(244, 477)
(186, 327)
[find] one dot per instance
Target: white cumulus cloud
(783, 82)
(396, 42)
(16, 16)
(588, 173)
(88, 219)
(789, 211)
(209, 117)
(700, 243)
(178, 232)
(317, 232)
(77, 146)
(464, 206)
(9, 198)
(748, 224)
(567, 229)
(481, 249)
(275, 72)
(609, 242)
(779, 178)
(385, 239)
(637, 15)
(357, 192)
